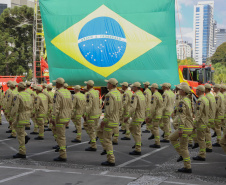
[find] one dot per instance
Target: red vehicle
(5, 79)
(196, 75)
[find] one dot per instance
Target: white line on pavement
(143, 156)
(104, 173)
(16, 176)
(56, 171)
(41, 153)
(171, 182)
(13, 149)
(5, 140)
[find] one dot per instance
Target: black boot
(155, 146)
(8, 131)
(27, 128)
(39, 138)
(216, 145)
(12, 136)
(125, 138)
(146, 131)
(27, 138)
(76, 141)
(55, 147)
(59, 159)
(214, 135)
(151, 137)
(18, 155)
(135, 153)
(198, 158)
(180, 159)
(124, 132)
(114, 143)
(164, 141)
(209, 150)
(90, 149)
(196, 145)
(185, 170)
(107, 164)
(34, 133)
(104, 152)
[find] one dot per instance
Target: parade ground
(154, 166)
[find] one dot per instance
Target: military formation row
(192, 123)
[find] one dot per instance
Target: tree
(220, 73)
(220, 55)
(16, 40)
(187, 61)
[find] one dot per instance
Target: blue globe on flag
(102, 42)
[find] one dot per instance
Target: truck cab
(196, 75)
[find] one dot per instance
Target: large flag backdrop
(128, 40)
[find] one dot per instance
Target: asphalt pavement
(153, 167)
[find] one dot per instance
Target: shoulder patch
(107, 98)
(199, 102)
(144, 94)
(152, 98)
(133, 97)
(181, 105)
(15, 98)
(87, 96)
(8, 95)
(55, 96)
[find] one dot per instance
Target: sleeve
(153, 107)
(57, 105)
(89, 103)
(109, 106)
(8, 103)
(74, 102)
(15, 108)
(133, 105)
(37, 104)
(199, 110)
(182, 115)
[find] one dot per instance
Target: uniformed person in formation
(137, 112)
(223, 140)
(29, 91)
(147, 95)
(168, 102)
(92, 113)
(212, 113)
(179, 138)
(9, 105)
(201, 121)
(1, 102)
(220, 109)
(33, 97)
(44, 87)
(126, 100)
(61, 116)
(50, 106)
(20, 114)
(5, 99)
(79, 103)
(113, 110)
(223, 91)
(40, 111)
(155, 114)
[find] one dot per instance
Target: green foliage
(220, 73)
(187, 61)
(16, 40)
(220, 55)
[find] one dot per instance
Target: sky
(186, 13)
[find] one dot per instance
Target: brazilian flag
(128, 40)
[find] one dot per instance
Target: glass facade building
(203, 44)
(2, 7)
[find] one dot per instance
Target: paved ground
(154, 166)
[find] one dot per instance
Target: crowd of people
(128, 108)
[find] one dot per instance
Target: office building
(203, 43)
